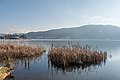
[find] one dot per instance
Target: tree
(23, 36)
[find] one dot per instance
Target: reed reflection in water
(68, 58)
(16, 63)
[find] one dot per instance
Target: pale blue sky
(38, 15)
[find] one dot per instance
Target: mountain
(82, 32)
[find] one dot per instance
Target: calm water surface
(39, 69)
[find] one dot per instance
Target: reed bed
(74, 56)
(12, 51)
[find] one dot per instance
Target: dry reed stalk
(11, 51)
(65, 57)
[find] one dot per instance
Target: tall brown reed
(12, 51)
(70, 56)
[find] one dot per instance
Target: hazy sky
(37, 15)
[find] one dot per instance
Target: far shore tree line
(13, 36)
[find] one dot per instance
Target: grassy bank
(66, 57)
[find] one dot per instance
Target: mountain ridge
(82, 32)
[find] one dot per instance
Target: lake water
(39, 69)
